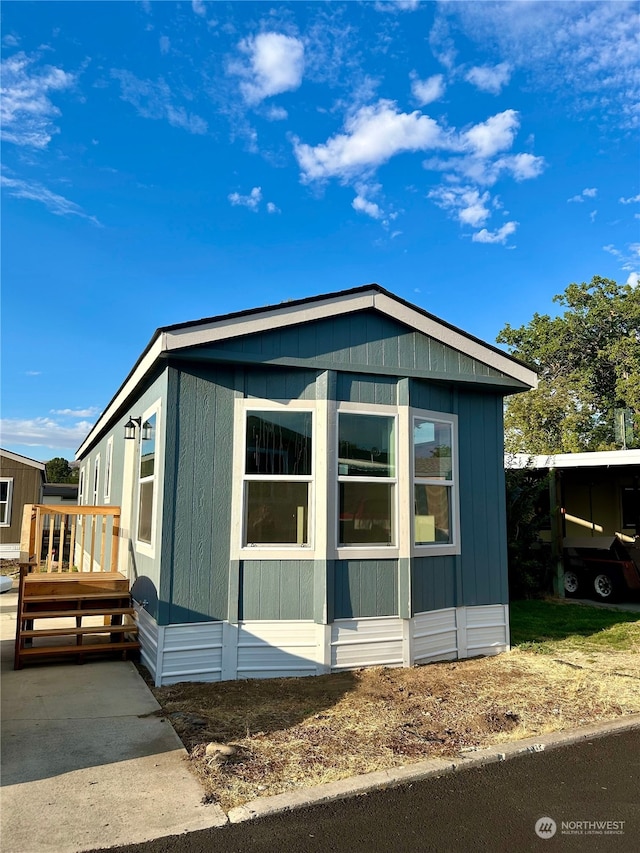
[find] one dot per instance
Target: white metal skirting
(366, 642)
(214, 651)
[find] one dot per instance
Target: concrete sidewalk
(86, 760)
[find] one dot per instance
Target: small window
(277, 477)
(81, 487)
(433, 481)
(366, 479)
(147, 480)
(96, 479)
(6, 494)
(107, 470)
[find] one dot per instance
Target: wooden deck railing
(58, 538)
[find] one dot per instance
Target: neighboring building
(597, 493)
(21, 482)
(60, 493)
(311, 487)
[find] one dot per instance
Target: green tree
(59, 471)
(588, 361)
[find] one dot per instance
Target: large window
(147, 479)
(6, 492)
(366, 479)
(433, 486)
(277, 478)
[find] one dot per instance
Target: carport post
(556, 533)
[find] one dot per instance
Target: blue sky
(168, 161)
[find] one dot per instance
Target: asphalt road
(493, 808)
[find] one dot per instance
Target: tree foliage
(59, 471)
(588, 361)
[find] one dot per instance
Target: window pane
(432, 514)
(277, 513)
(146, 511)
(148, 449)
(366, 446)
(366, 513)
(432, 449)
(278, 443)
(4, 491)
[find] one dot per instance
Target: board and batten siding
(365, 588)
(275, 589)
(26, 488)
(360, 342)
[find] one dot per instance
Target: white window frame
(81, 487)
(277, 551)
(432, 549)
(108, 470)
(6, 520)
(149, 548)
(368, 552)
(95, 491)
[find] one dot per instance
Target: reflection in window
(366, 459)
(433, 481)
(278, 469)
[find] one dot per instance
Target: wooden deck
(73, 614)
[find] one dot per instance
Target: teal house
(310, 487)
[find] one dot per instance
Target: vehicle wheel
(605, 586)
(572, 584)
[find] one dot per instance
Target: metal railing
(58, 538)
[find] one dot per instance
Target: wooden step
(62, 614)
(72, 596)
(54, 651)
(78, 632)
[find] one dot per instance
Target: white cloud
(628, 260)
(397, 5)
(631, 200)
(155, 101)
(10, 40)
(362, 205)
(33, 373)
(465, 203)
(26, 111)
(489, 78)
(633, 279)
(57, 204)
(165, 44)
(275, 113)
(272, 208)
(493, 135)
(521, 167)
(275, 65)
(43, 432)
(373, 135)
(199, 8)
(499, 236)
(588, 192)
(592, 215)
(89, 412)
(586, 52)
(429, 90)
(252, 201)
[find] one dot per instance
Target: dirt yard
(305, 731)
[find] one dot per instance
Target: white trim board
(25, 460)
(597, 459)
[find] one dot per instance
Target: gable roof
(588, 459)
(184, 336)
(25, 460)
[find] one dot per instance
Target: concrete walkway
(87, 762)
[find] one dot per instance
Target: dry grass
(305, 731)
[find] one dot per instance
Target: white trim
(286, 315)
(25, 460)
(599, 459)
(9, 501)
(142, 547)
(108, 469)
(95, 488)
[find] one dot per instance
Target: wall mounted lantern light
(146, 429)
